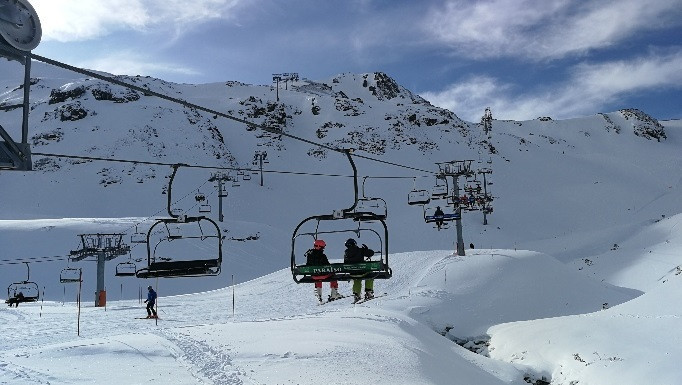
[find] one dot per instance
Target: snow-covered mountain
(560, 187)
(580, 205)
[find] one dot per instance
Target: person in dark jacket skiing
(356, 254)
(316, 257)
(151, 301)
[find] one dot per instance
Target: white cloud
(543, 28)
(127, 63)
(587, 91)
(468, 99)
(77, 20)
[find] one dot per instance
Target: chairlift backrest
(373, 231)
(138, 238)
(175, 260)
(29, 290)
(70, 275)
(439, 191)
(372, 206)
(126, 269)
(418, 197)
(450, 212)
(349, 220)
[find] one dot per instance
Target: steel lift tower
(103, 247)
(20, 32)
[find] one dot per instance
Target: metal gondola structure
(171, 240)
(20, 32)
(363, 224)
(23, 291)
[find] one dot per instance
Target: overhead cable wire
(93, 158)
(56, 258)
(185, 103)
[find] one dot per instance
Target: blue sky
(522, 58)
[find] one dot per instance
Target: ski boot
(318, 294)
(369, 294)
(335, 294)
(356, 297)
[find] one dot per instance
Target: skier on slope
(151, 301)
(316, 257)
(356, 254)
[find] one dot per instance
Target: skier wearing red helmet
(316, 257)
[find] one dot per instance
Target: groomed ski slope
(280, 335)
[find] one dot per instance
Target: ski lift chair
(439, 191)
(449, 213)
(29, 290)
(173, 266)
(418, 197)
(203, 206)
(70, 275)
(341, 221)
(368, 206)
(125, 269)
(179, 230)
(138, 237)
(371, 208)
(354, 225)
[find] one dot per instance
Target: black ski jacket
(355, 254)
(316, 257)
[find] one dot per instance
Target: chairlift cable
(125, 231)
(29, 259)
(56, 258)
(222, 167)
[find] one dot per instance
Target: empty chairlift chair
(182, 246)
(71, 275)
(126, 269)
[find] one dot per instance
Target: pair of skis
(363, 300)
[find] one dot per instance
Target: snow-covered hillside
(581, 251)
(270, 331)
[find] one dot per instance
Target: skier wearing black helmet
(356, 254)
